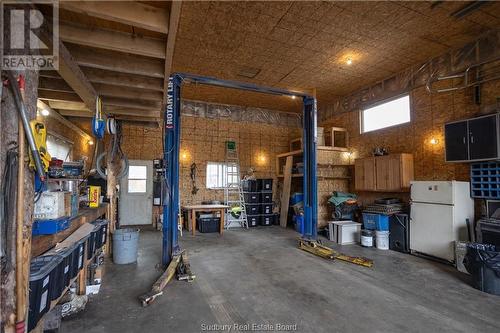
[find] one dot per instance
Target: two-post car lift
(171, 202)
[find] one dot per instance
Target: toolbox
(43, 277)
(50, 227)
(207, 225)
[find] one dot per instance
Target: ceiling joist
(49, 95)
(112, 40)
(122, 80)
(118, 62)
(127, 92)
(134, 13)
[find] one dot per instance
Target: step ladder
(233, 195)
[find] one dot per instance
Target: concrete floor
(259, 277)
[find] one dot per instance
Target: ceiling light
(44, 112)
(348, 61)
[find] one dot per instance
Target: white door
(136, 193)
(431, 230)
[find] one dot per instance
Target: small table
(206, 208)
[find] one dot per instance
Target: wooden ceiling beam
(53, 84)
(74, 77)
(116, 61)
(132, 13)
(123, 80)
(132, 103)
(50, 95)
(175, 14)
(127, 92)
(112, 40)
(123, 112)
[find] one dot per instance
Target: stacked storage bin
(252, 201)
(265, 187)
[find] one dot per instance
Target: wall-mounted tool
(98, 122)
(21, 107)
(40, 135)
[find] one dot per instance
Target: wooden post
(285, 195)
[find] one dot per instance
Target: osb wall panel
(203, 140)
(429, 113)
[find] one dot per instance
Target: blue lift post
(172, 117)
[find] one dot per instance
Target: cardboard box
(94, 196)
(52, 205)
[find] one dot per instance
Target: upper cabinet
(390, 173)
(474, 139)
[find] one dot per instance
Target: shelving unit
(485, 180)
(43, 243)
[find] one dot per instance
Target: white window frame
(60, 140)
(221, 176)
(381, 103)
(145, 179)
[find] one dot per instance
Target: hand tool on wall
(21, 107)
(98, 122)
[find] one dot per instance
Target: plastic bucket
(366, 238)
(125, 243)
(382, 240)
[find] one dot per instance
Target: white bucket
(382, 240)
(366, 240)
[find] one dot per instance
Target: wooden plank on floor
(285, 195)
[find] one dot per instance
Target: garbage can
(125, 243)
(482, 261)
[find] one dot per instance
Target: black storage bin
(399, 233)
(267, 219)
(483, 263)
(253, 209)
(266, 209)
(210, 224)
(91, 242)
(79, 256)
(102, 233)
(253, 220)
(265, 184)
(43, 277)
(249, 185)
(266, 197)
(67, 267)
(251, 197)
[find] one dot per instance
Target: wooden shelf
(42, 243)
(293, 175)
(299, 152)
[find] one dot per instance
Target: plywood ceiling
(304, 45)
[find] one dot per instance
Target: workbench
(193, 209)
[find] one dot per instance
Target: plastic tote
(125, 242)
(483, 263)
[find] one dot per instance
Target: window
(217, 175)
(394, 112)
(59, 148)
(137, 178)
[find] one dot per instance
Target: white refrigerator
(439, 210)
